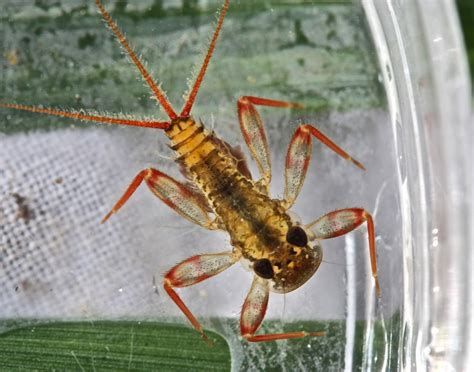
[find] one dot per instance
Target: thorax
(256, 223)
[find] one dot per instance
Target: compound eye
(263, 268)
(297, 236)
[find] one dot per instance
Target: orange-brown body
(282, 252)
(257, 224)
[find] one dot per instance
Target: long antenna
(88, 116)
(192, 95)
(159, 94)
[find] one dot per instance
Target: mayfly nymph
(282, 253)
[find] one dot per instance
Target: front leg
(173, 193)
(192, 271)
(254, 132)
(253, 312)
(299, 155)
(341, 222)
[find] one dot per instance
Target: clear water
(60, 263)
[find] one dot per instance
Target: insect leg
(341, 222)
(253, 312)
(299, 155)
(173, 193)
(192, 271)
(254, 132)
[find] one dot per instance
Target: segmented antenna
(159, 94)
(192, 95)
(88, 116)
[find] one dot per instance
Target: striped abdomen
(253, 220)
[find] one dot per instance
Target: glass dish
(386, 80)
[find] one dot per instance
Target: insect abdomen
(208, 162)
(191, 141)
(252, 219)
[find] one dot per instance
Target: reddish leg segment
(254, 132)
(172, 193)
(341, 222)
(299, 155)
(192, 271)
(253, 312)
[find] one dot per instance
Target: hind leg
(254, 131)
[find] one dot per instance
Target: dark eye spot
(263, 268)
(297, 236)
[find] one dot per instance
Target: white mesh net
(57, 261)
(56, 257)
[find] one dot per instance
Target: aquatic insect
(282, 253)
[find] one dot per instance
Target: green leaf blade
(111, 345)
